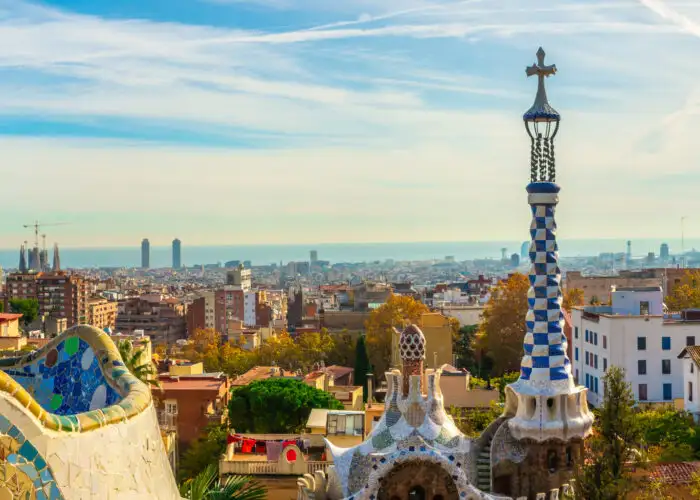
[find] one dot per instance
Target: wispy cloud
(373, 99)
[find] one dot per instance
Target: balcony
(167, 421)
(265, 468)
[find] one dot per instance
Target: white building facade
(634, 334)
(690, 362)
(250, 301)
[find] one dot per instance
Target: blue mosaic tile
(73, 373)
(28, 451)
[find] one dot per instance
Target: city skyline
(407, 112)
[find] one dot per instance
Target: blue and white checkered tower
(545, 402)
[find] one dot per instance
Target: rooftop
(261, 373)
(196, 383)
(693, 352)
(675, 473)
(4, 317)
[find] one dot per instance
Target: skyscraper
(177, 255)
(145, 253)
(313, 256)
(663, 252)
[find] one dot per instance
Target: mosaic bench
(75, 424)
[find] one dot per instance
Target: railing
(265, 468)
(167, 421)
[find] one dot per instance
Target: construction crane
(36, 225)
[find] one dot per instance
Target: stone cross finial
(541, 110)
(540, 69)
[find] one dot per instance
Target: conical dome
(412, 343)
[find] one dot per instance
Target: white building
(249, 304)
(633, 333)
(690, 359)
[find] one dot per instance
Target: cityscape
(502, 302)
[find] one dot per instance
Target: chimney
(369, 390)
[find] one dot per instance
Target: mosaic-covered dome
(412, 343)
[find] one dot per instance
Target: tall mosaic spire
(540, 397)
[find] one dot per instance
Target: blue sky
(308, 121)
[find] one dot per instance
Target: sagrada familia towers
(416, 452)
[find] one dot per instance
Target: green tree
(361, 366)
(208, 486)
(603, 474)
(463, 347)
(139, 368)
(695, 485)
(502, 330)
(276, 406)
(203, 452)
(28, 308)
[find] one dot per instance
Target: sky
(312, 121)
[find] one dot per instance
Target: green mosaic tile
(56, 401)
(71, 345)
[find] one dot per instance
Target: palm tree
(132, 359)
(208, 486)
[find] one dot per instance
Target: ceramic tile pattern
(68, 380)
(77, 382)
(27, 475)
(545, 344)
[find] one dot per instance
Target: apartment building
(636, 334)
(599, 287)
(102, 313)
(161, 318)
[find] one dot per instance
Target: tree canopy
(276, 406)
(28, 308)
(573, 297)
(397, 312)
(603, 474)
(502, 330)
(362, 366)
(685, 295)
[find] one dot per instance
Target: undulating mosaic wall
(75, 424)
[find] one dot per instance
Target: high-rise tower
(23, 259)
(550, 415)
(145, 253)
(56, 258)
(177, 255)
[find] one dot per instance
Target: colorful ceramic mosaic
(545, 356)
(25, 473)
(68, 380)
(77, 382)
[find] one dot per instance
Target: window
(595, 384)
(595, 338)
(644, 307)
(586, 335)
(586, 357)
(595, 365)
(641, 343)
(642, 367)
(642, 392)
(690, 340)
(577, 375)
(668, 392)
(692, 367)
(171, 407)
(588, 377)
(576, 332)
(605, 364)
(552, 461)
(569, 457)
(690, 391)
(665, 366)
(345, 425)
(605, 341)
(666, 343)
(576, 354)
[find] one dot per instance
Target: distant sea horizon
(161, 256)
